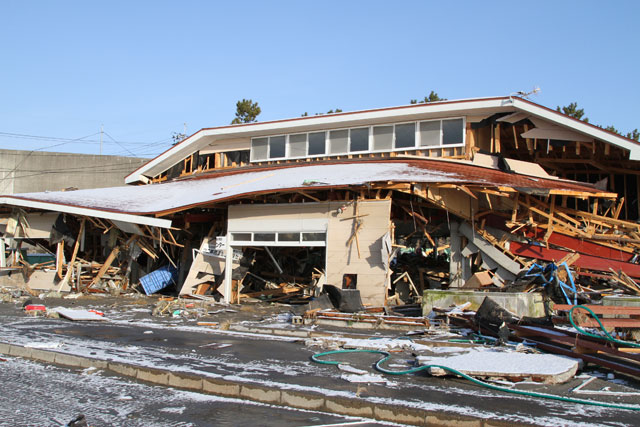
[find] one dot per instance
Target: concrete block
(186, 381)
(70, 360)
(4, 348)
(399, 415)
(301, 400)
(220, 388)
(452, 421)
(123, 369)
(43, 355)
(352, 407)
(521, 304)
(19, 351)
(155, 376)
(260, 394)
(624, 301)
(293, 333)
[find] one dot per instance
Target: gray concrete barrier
(350, 406)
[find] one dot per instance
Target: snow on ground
(479, 359)
(266, 372)
(44, 395)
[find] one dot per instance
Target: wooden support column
(59, 258)
(528, 141)
(471, 142)
(552, 210)
(626, 207)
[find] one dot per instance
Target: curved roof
(136, 202)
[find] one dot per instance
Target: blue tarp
(159, 279)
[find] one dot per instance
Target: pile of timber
(112, 275)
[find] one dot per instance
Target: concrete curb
(349, 406)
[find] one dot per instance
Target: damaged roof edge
(189, 145)
(580, 126)
(95, 213)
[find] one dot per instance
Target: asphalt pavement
(278, 361)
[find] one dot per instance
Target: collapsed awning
(140, 204)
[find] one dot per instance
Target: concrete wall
(28, 171)
(341, 258)
(519, 303)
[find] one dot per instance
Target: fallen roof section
(129, 203)
(65, 206)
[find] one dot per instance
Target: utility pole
(101, 132)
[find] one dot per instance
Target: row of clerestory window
(370, 139)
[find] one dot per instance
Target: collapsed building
(393, 203)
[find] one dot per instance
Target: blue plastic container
(159, 279)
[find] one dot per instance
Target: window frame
(301, 242)
(417, 140)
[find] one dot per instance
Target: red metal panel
(581, 246)
(587, 262)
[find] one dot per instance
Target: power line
(37, 149)
(55, 138)
(114, 140)
(80, 168)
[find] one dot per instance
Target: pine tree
(247, 111)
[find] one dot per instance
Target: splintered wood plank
(59, 258)
(112, 256)
(610, 323)
(601, 309)
(514, 213)
(552, 210)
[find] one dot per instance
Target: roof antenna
(523, 94)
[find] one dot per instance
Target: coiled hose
(316, 358)
(607, 336)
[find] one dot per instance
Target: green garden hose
(608, 336)
(387, 356)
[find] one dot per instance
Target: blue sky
(144, 68)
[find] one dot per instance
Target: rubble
(445, 239)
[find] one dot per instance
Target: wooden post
(59, 258)
(471, 142)
(514, 214)
(112, 256)
(76, 246)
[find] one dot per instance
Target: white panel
(128, 227)
(275, 224)
(227, 145)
